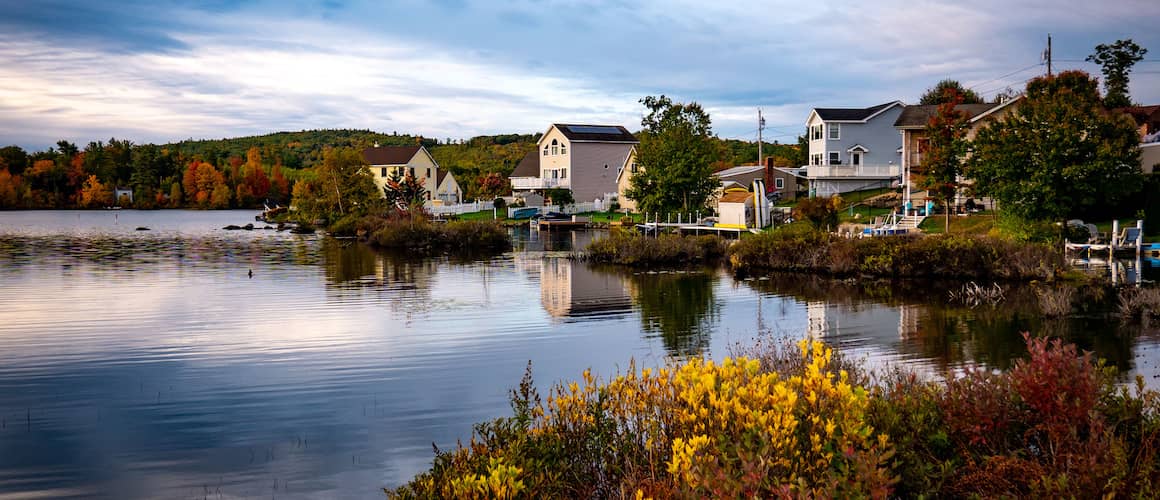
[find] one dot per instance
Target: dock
(561, 224)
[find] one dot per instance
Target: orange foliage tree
(94, 194)
(11, 188)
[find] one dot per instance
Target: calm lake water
(139, 364)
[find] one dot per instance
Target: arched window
(555, 147)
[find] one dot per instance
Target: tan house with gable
(582, 158)
(386, 161)
(912, 124)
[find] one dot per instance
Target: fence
(461, 208)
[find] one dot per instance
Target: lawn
(980, 223)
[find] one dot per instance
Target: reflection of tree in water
(401, 282)
(678, 307)
(951, 335)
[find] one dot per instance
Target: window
(835, 131)
(563, 173)
(555, 174)
(555, 147)
(835, 158)
(412, 172)
(816, 159)
(816, 132)
(545, 150)
(428, 172)
(632, 168)
(856, 158)
(383, 172)
(563, 149)
(779, 183)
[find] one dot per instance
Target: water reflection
(916, 321)
(680, 308)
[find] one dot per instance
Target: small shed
(735, 209)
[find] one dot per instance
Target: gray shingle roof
(529, 166)
(851, 114)
(919, 116)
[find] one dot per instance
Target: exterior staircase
(910, 222)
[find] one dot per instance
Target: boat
(525, 213)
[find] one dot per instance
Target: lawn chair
(1093, 234)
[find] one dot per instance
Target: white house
(852, 149)
(582, 158)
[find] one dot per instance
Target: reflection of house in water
(570, 289)
(864, 323)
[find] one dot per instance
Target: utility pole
(760, 126)
(1047, 54)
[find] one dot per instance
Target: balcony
(853, 171)
(530, 183)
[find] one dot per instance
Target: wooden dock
(561, 224)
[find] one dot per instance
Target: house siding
(623, 182)
(421, 162)
(556, 162)
(877, 135)
(588, 177)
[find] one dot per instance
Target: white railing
(460, 208)
(521, 183)
(575, 208)
(816, 171)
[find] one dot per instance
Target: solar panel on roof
(594, 129)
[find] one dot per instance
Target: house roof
(853, 114)
(1144, 115)
(738, 170)
(595, 133)
(919, 116)
(390, 155)
(439, 176)
(735, 197)
(529, 166)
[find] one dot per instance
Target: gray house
(852, 149)
(583, 158)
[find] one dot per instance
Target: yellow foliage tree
(94, 194)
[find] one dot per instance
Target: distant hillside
(297, 150)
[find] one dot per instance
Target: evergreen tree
(1116, 61)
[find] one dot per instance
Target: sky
(166, 70)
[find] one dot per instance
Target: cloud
(166, 71)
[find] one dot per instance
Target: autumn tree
(939, 94)
(675, 158)
(941, 165)
(175, 198)
(821, 213)
(94, 194)
(491, 185)
(11, 188)
(1058, 154)
(279, 186)
(255, 185)
(1116, 61)
(342, 186)
(404, 191)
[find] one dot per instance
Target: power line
(1005, 76)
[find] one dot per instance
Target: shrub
(822, 213)
(417, 234)
(631, 249)
(697, 429)
(939, 256)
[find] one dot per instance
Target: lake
(143, 364)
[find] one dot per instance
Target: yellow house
(623, 178)
(386, 161)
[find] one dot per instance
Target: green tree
(675, 156)
(1058, 154)
(404, 191)
(560, 197)
(938, 94)
(941, 165)
(1116, 61)
(342, 186)
(821, 213)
